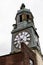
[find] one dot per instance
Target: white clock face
(21, 37)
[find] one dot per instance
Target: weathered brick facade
(20, 58)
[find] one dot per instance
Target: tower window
(27, 17)
(31, 62)
(20, 18)
(24, 17)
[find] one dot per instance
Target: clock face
(21, 37)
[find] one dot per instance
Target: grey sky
(8, 10)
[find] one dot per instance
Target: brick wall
(21, 58)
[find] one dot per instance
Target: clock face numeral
(28, 35)
(21, 37)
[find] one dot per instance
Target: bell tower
(24, 31)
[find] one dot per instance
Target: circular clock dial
(21, 37)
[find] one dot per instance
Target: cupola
(24, 15)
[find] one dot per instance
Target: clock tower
(24, 31)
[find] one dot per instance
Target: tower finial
(22, 6)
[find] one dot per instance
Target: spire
(22, 6)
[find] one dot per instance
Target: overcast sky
(8, 10)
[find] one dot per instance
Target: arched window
(23, 17)
(31, 62)
(20, 18)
